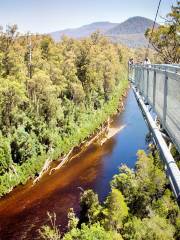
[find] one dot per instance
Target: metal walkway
(157, 90)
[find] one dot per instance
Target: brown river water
(24, 210)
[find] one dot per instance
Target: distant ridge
(83, 31)
(130, 32)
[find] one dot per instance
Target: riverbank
(101, 135)
(24, 210)
(34, 166)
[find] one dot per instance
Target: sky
(44, 16)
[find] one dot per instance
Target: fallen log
(63, 161)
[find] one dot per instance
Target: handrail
(158, 85)
(171, 167)
(175, 68)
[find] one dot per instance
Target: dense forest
(52, 97)
(55, 96)
(140, 206)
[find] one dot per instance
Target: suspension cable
(154, 23)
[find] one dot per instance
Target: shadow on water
(24, 210)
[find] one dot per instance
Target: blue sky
(50, 15)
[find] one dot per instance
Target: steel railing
(159, 84)
(159, 87)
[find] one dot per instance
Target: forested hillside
(52, 97)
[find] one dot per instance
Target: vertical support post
(143, 81)
(132, 72)
(139, 80)
(147, 84)
(165, 97)
(154, 90)
(170, 146)
(136, 77)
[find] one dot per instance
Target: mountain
(83, 31)
(134, 25)
(130, 40)
(130, 32)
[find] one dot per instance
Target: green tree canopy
(166, 38)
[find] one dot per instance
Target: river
(25, 209)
